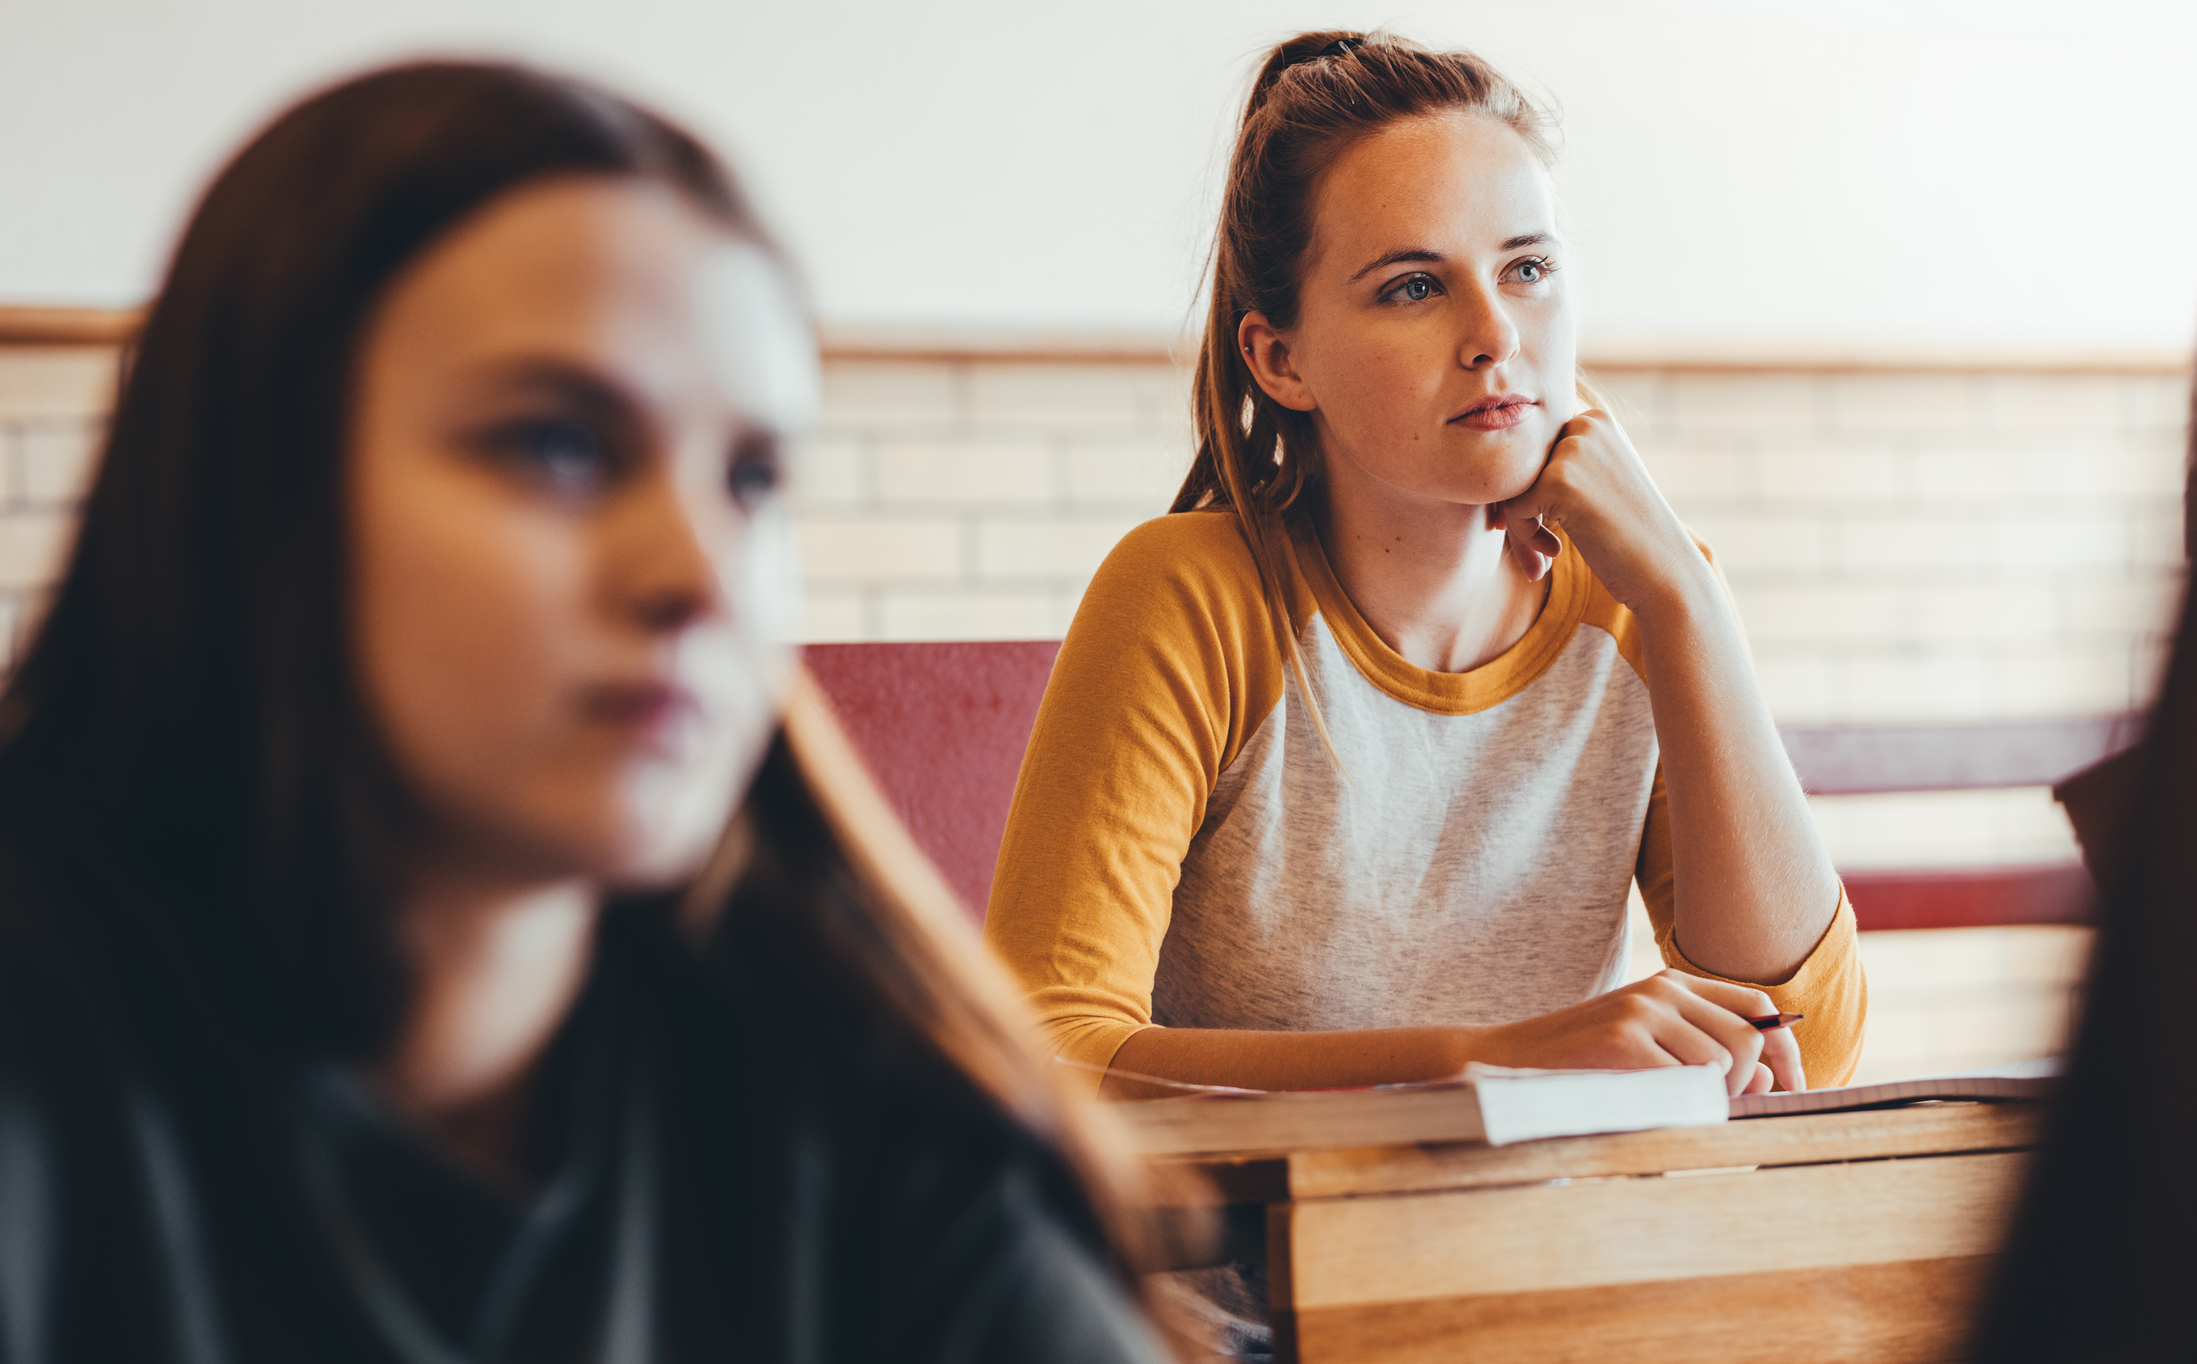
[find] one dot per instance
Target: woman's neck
(495, 971)
(1432, 578)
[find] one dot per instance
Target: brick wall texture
(1908, 546)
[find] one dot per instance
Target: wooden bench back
(944, 725)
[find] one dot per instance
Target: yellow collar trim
(1465, 693)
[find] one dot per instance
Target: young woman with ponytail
(1347, 764)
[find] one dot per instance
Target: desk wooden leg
(1280, 1274)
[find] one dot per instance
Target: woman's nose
(670, 554)
(1490, 338)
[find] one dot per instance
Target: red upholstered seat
(944, 725)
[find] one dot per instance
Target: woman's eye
(1532, 271)
(1411, 289)
(755, 471)
(570, 456)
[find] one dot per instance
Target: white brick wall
(1916, 546)
(1902, 546)
(960, 500)
(1909, 546)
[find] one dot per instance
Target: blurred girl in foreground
(377, 979)
(2102, 1252)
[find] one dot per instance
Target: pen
(1769, 1021)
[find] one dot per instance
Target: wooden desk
(1855, 1236)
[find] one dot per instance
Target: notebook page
(2023, 1080)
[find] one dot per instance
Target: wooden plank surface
(1970, 897)
(1853, 759)
(1930, 1129)
(48, 326)
(1901, 1312)
(64, 325)
(1534, 1238)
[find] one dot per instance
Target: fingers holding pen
(1725, 1010)
(1781, 1053)
(1668, 1019)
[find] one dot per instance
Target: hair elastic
(1341, 47)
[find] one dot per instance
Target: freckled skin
(1386, 379)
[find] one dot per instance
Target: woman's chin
(1501, 465)
(1484, 486)
(641, 859)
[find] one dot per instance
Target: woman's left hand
(1595, 486)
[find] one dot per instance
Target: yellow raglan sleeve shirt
(1168, 671)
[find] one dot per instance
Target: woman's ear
(1267, 354)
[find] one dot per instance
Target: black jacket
(722, 1182)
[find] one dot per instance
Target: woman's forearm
(1670, 1018)
(1754, 888)
(1286, 1060)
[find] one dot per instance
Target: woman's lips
(654, 712)
(1497, 413)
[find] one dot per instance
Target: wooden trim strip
(38, 325)
(1806, 1139)
(1005, 348)
(1645, 358)
(1683, 358)
(68, 326)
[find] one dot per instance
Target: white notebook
(1491, 1104)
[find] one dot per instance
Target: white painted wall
(1933, 171)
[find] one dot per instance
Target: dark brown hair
(1316, 95)
(2104, 1245)
(185, 741)
(188, 699)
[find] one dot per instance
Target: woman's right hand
(1669, 1019)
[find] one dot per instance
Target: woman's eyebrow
(1423, 255)
(1415, 253)
(568, 382)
